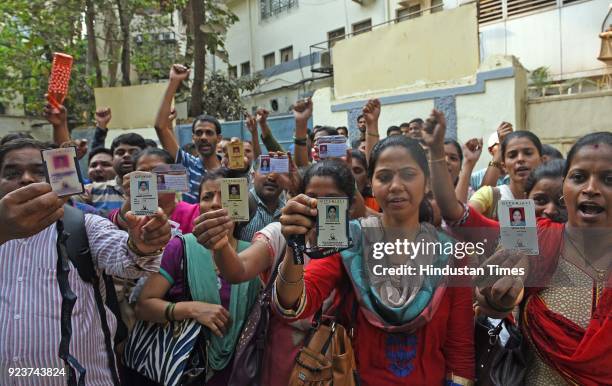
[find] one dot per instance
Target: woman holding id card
(409, 329)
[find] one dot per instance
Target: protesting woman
(564, 297)
(327, 178)
(219, 306)
(408, 330)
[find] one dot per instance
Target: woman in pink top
(182, 213)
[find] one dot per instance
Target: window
(245, 69)
(269, 60)
(232, 72)
(286, 54)
(409, 12)
(334, 36)
(437, 6)
(274, 7)
(516, 7)
(490, 10)
(362, 26)
(494, 10)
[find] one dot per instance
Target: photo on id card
(143, 193)
(62, 171)
(235, 154)
(171, 178)
(517, 223)
(332, 146)
(332, 222)
(235, 198)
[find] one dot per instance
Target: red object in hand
(59, 79)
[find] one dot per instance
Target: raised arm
(302, 111)
(495, 169)
(471, 153)
(58, 118)
(103, 117)
(251, 124)
(163, 125)
(371, 113)
(441, 182)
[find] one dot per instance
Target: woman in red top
(565, 296)
(409, 329)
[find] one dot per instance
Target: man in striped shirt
(206, 132)
(30, 301)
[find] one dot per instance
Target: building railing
(271, 8)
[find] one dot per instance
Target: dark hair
(99, 150)
(154, 151)
(393, 128)
(356, 143)
(414, 148)
(457, 146)
(601, 137)
(521, 134)
(131, 139)
(359, 117)
(405, 124)
(150, 143)
(359, 156)
(551, 152)
(551, 169)
(334, 169)
(328, 129)
(342, 128)
(20, 143)
(310, 134)
(417, 120)
(14, 136)
(213, 175)
(209, 119)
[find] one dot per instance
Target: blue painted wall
(282, 126)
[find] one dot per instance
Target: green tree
(221, 96)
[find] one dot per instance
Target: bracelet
(122, 217)
(372, 134)
(496, 164)
(284, 281)
(300, 141)
(140, 253)
(169, 312)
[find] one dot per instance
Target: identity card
(235, 198)
(517, 223)
(171, 178)
(143, 193)
(332, 146)
(62, 172)
(332, 222)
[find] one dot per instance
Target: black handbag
(497, 364)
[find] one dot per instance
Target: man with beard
(265, 197)
(206, 133)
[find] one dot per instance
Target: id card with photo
(171, 178)
(62, 172)
(143, 193)
(332, 146)
(235, 154)
(264, 164)
(279, 164)
(517, 223)
(332, 222)
(235, 198)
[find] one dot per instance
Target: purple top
(171, 270)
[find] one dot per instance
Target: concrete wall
(560, 120)
(433, 48)
(497, 92)
(564, 39)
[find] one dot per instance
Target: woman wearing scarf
(408, 329)
(219, 306)
(565, 298)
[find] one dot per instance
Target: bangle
(496, 164)
(122, 216)
(300, 141)
(284, 281)
(372, 134)
(134, 248)
(169, 312)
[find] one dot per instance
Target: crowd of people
(78, 273)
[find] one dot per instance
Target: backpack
(77, 249)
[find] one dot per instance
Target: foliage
(222, 95)
(540, 77)
(31, 30)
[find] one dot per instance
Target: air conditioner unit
(326, 60)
